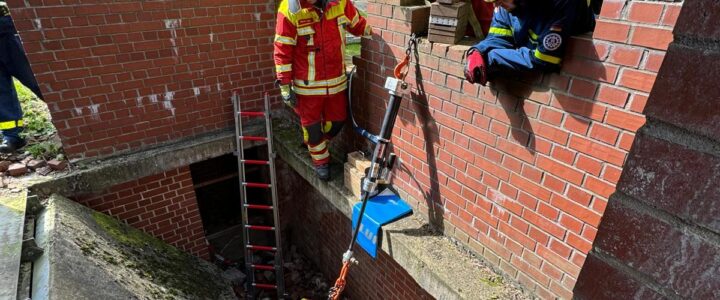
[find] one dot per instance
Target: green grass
(352, 49)
(37, 116)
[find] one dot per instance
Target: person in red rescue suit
(527, 35)
(309, 63)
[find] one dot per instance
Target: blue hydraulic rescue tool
(375, 210)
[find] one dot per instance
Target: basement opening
(217, 188)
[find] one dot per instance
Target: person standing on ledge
(527, 35)
(13, 63)
(309, 63)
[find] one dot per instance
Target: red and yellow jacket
(310, 45)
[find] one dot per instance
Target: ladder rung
(253, 138)
(257, 185)
(260, 227)
(252, 113)
(255, 162)
(264, 267)
(261, 248)
(258, 206)
(265, 286)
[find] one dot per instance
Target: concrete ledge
(439, 266)
(97, 175)
(12, 223)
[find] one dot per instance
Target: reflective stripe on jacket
(309, 45)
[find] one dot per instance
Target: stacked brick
(322, 231)
(161, 205)
(660, 236)
(123, 75)
(520, 171)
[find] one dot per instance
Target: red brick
(685, 176)
(626, 141)
(576, 210)
(627, 56)
(646, 12)
(551, 116)
(599, 187)
(554, 184)
(697, 111)
(651, 37)
(672, 12)
(612, 9)
(562, 263)
(579, 106)
(625, 120)
(571, 223)
(654, 61)
(545, 225)
(611, 31)
(637, 80)
(599, 280)
(583, 88)
(589, 165)
(565, 172)
(564, 155)
(599, 151)
(604, 133)
(638, 103)
(657, 248)
(577, 125)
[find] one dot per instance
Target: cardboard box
(358, 161)
(353, 178)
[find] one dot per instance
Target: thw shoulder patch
(552, 41)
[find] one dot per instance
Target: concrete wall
(162, 205)
(660, 236)
(520, 171)
(321, 232)
(123, 75)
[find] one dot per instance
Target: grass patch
(37, 116)
(352, 49)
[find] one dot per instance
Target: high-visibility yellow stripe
(321, 83)
(311, 66)
(532, 35)
(343, 20)
(548, 58)
(283, 68)
(341, 29)
(327, 127)
(284, 40)
(306, 135)
(319, 147)
(320, 91)
(305, 30)
(11, 124)
(320, 156)
(355, 19)
(500, 31)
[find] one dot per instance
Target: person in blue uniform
(13, 63)
(527, 35)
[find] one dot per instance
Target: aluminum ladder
(251, 248)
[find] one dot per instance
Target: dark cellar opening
(217, 189)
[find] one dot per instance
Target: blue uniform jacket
(533, 36)
(13, 63)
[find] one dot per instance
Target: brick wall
(519, 171)
(320, 232)
(122, 75)
(660, 236)
(162, 205)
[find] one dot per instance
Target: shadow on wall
(416, 110)
(552, 89)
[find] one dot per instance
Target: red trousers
(321, 118)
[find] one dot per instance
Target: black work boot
(10, 145)
(323, 172)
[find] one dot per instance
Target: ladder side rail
(243, 194)
(280, 278)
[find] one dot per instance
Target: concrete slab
(97, 175)
(12, 220)
(442, 268)
(89, 255)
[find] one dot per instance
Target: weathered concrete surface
(89, 255)
(435, 262)
(12, 220)
(93, 176)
